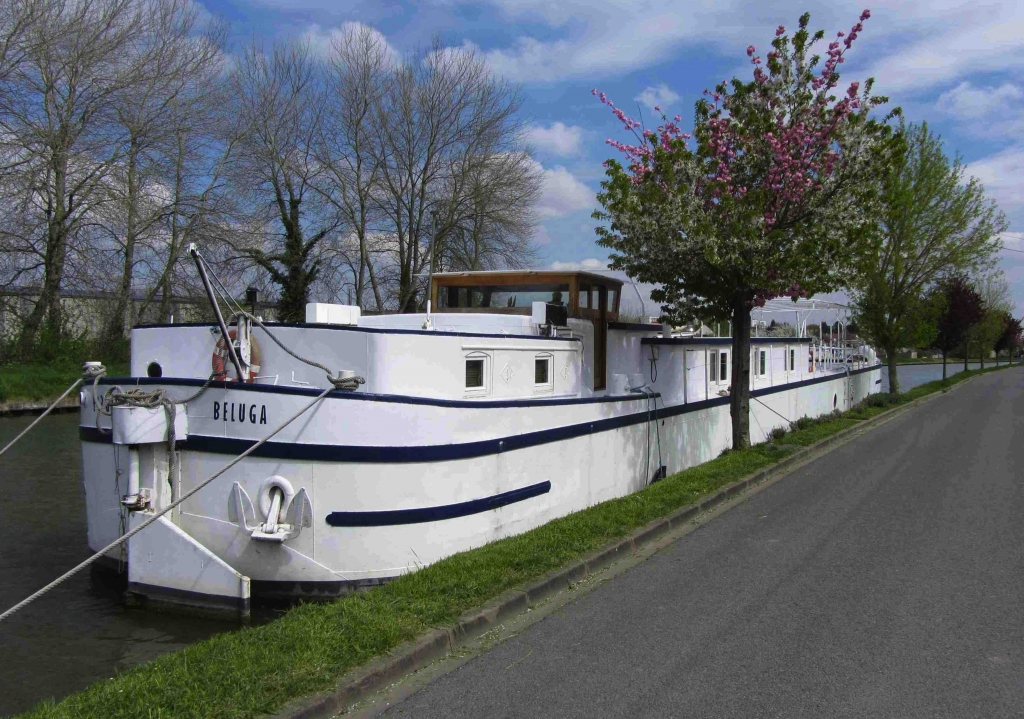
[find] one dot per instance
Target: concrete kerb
(407, 658)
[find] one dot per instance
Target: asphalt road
(885, 579)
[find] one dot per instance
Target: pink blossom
(750, 51)
(865, 15)
(657, 108)
(780, 30)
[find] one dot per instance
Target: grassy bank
(27, 382)
(256, 670)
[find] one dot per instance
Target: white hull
(397, 483)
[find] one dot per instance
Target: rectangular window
(761, 363)
(713, 367)
(792, 360)
(723, 360)
(474, 374)
(541, 371)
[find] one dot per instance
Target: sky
(956, 65)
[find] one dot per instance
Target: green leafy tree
(961, 309)
(1010, 339)
(995, 293)
(770, 196)
(931, 222)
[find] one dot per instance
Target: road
(884, 579)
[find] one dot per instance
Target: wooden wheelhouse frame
(603, 295)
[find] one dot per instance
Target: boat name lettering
(240, 412)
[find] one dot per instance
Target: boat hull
(395, 484)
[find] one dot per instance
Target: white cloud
(967, 102)
(590, 264)
(1003, 177)
(657, 95)
(559, 139)
(562, 193)
(320, 38)
(541, 236)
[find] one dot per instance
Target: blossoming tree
(770, 195)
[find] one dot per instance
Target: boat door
(601, 339)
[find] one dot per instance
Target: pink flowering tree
(771, 194)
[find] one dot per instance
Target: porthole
(154, 370)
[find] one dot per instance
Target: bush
(777, 434)
(803, 423)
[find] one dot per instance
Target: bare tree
(275, 170)
(57, 116)
(444, 116)
(176, 67)
(358, 73)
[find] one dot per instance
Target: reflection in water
(80, 632)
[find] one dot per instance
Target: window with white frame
(792, 359)
(762, 363)
(723, 366)
(713, 367)
(543, 379)
(477, 373)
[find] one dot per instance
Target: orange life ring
(221, 359)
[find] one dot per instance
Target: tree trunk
(894, 383)
(943, 365)
(967, 353)
(739, 394)
(981, 357)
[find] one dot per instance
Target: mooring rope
(132, 532)
(93, 372)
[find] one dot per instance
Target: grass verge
(256, 670)
(28, 382)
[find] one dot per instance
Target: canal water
(81, 632)
(914, 375)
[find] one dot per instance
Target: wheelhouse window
(498, 296)
(543, 380)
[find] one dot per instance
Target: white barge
(499, 416)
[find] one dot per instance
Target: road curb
(412, 656)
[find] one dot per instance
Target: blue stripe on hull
(446, 452)
(435, 514)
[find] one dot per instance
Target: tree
(930, 222)
(961, 309)
(284, 218)
(442, 130)
(998, 302)
(1010, 338)
(774, 199)
(55, 123)
(177, 65)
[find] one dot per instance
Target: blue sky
(955, 64)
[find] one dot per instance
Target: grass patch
(256, 670)
(28, 382)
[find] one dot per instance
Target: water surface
(80, 632)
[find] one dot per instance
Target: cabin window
(543, 381)
(723, 369)
(792, 359)
(761, 361)
(482, 297)
(713, 367)
(474, 373)
(477, 366)
(584, 298)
